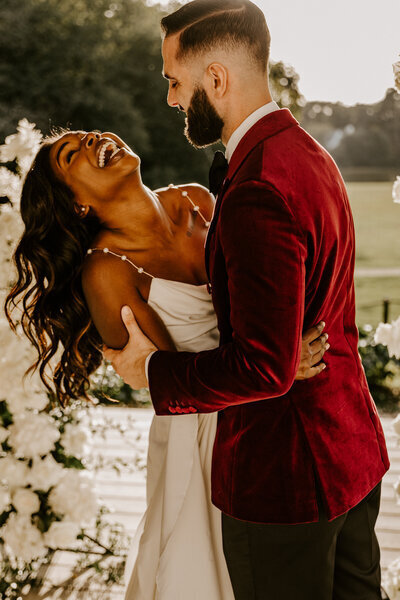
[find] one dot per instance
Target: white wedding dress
(177, 552)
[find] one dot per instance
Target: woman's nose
(90, 138)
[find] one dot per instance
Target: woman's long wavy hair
(49, 259)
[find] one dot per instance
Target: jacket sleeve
(264, 253)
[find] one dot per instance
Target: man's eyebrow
(59, 150)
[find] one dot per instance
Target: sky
(343, 50)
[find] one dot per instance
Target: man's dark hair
(206, 23)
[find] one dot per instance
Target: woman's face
(95, 166)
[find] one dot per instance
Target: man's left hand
(129, 362)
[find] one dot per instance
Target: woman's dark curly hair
(49, 259)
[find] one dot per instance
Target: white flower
(25, 501)
(22, 145)
(44, 473)
(391, 580)
(396, 190)
(20, 394)
(61, 534)
(396, 424)
(389, 335)
(74, 498)
(4, 433)
(396, 71)
(22, 401)
(33, 434)
(24, 540)
(75, 440)
(10, 185)
(5, 499)
(13, 472)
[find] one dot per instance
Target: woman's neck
(138, 222)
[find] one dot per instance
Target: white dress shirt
(231, 146)
(247, 124)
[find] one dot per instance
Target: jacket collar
(265, 128)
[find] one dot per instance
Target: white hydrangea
(396, 424)
(10, 185)
(396, 71)
(23, 539)
(74, 498)
(22, 146)
(11, 229)
(75, 440)
(388, 334)
(391, 580)
(20, 393)
(5, 499)
(33, 434)
(44, 473)
(396, 190)
(13, 472)
(25, 501)
(61, 534)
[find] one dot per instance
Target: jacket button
(192, 409)
(172, 409)
(179, 410)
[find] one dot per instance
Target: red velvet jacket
(281, 258)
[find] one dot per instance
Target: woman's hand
(313, 347)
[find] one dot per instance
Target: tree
(96, 64)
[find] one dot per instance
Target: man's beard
(203, 123)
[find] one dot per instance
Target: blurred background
(96, 64)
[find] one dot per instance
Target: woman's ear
(217, 76)
(80, 210)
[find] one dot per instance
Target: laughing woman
(96, 238)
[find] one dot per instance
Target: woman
(97, 238)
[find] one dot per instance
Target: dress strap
(122, 257)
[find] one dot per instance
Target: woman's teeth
(113, 148)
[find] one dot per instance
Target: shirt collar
(246, 125)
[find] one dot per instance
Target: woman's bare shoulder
(198, 193)
(102, 270)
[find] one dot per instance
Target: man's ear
(217, 76)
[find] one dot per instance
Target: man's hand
(313, 347)
(129, 362)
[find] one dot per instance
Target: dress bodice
(187, 312)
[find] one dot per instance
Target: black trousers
(337, 560)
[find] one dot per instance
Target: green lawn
(377, 223)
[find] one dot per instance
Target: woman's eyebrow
(59, 150)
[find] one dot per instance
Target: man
(297, 465)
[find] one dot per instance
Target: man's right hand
(313, 347)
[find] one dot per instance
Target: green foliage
(381, 370)
(96, 64)
(284, 82)
(366, 136)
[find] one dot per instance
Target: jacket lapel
(266, 127)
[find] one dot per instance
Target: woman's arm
(108, 284)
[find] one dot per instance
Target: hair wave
(49, 260)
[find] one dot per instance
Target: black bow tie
(218, 171)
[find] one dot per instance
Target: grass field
(377, 223)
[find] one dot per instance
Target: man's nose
(170, 99)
